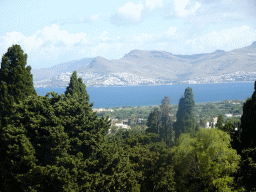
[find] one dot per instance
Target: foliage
(247, 172)
(220, 121)
(185, 115)
(160, 122)
(248, 122)
(204, 162)
(153, 122)
(60, 144)
(16, 84)
(179, 124)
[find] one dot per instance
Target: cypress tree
(166, 132)
(219, 123)
(16, 81)
(16, 84)
(77, 86)
(188, 119)
(153, 122)
(177, 126)
(248, 122)
(185, 121)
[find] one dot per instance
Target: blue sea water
(153, 95)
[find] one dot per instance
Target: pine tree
(177, 126)
(220, 121)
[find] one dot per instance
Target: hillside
(140, 67)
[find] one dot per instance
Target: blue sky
(54, 31)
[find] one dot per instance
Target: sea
(103, 97)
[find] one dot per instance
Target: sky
(56, 31)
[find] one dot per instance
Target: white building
(122, 126)
(228, 115)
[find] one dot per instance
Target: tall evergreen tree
(185, 121)
(178, 124)
(16, 84)
(77, 86)
(166, 131)
(153, 122)
(220, 121)
(189, 119)
(248, 122)
(16, 81)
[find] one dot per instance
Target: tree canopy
(204, 162)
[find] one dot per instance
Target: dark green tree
(153, 122)
(77, 86)
(16, 84)
(16, 81)
(189, 119)
(248, 122)
(179, 123)
(220, 121)
(228, 128)
(247, 145)
(54, 144)
(185, 120)
(166, 132)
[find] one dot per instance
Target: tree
(185, 122)
(153, 122)
(228, 128)
(151, 162)
(204, 162)
(16, 81)
(166, 132)
(16, 84)
(247, 145)
(53, 144)
(220, 121)
(248, 122)
(189, 119)
(77, 86)
(179, 124)
(203, 123)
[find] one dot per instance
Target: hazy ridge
(140, 67)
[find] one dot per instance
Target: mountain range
(140, 67)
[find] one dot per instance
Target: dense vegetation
(202, 111)
(60, 144)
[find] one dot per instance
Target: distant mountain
(140, 67)
(46, 73)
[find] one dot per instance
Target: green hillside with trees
(61, 144)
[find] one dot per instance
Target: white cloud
(11, 38)
(131, 10)
(184, 8)
(152, 4)
(46, 36)
(227, 39)
(104, 37)
(170, 34)
(94, 17)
